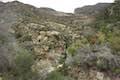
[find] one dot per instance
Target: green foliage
(3, 39)
(21, 70)
(117, 70)
(104, 33)
(72, 49)
(77, 44)
(101, 38)
(23, 61)
(58, 76)
(115, 40)
(102, 64)
(115, 43)
(1, 78)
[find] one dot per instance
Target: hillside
(92, 9)
(44, 44)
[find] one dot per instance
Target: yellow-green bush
(72, 48)
(101, 37)
(21, 69)
(77, 44)
(23, 61)
(115, 43)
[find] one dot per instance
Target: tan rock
(100, 76)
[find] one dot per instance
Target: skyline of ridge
(61, 5)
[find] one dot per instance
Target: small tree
(23, 62)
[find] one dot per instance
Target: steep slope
(35, 30)
(72, 44)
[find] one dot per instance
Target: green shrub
(117, 70)
(101, 38)
(23, 62)
(77, 44)
(102, 64)
(1, 78)
(58, 76)
(72, 48)
(115, 43)
(3, 39)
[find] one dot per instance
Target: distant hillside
(1, 3)
(92, 9)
